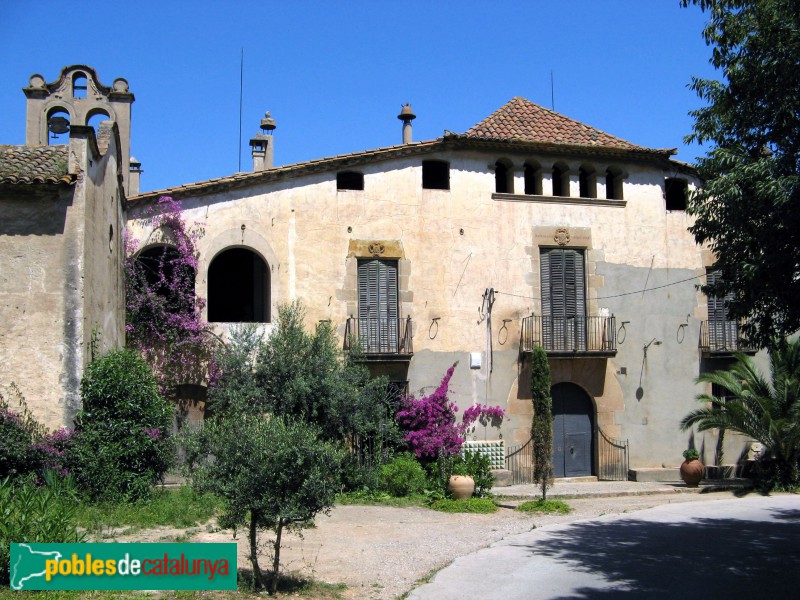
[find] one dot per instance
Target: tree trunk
(276, 561)
(257, 581)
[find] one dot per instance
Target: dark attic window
(503, 177)
(349, 180)
(435, 175)
(676, 191)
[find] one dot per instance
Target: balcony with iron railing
(720, 338)
(379, 338)
(568, 337)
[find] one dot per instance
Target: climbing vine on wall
(163, 314)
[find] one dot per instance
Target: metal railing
(569, 334)
(379, 336)
(612, 459)
(722, 336)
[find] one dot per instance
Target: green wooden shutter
(378, 305)
(563, 299)
(722, 333)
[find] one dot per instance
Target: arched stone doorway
(573, 427)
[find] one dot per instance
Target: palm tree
(766, 411)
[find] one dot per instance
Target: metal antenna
(241, 88)
(552, 92)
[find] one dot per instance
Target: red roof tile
(33, 164)
(522, 120)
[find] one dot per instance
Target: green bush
(122, 444)
(403, 476)
(474, 464)
(30, 513)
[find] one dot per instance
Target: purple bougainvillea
(430, 424)
(163, 313)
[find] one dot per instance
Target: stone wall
(454, 244)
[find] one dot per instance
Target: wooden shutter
(722, 333)
(377, 305)
(563, 299)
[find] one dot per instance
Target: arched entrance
(573, 426)
(238, 287)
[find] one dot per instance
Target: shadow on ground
(752, 559)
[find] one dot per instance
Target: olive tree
(272, 473)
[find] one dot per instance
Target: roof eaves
(558, 148)
(239, 180)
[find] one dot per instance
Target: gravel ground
(382, 552)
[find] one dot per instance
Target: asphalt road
(737, 548)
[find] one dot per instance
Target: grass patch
(470, 505)
(370, 498)
(179, 508)
(545, 506)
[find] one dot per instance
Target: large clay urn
(461, 487)
(692, 471)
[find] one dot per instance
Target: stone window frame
(564, 236)
(376, 248)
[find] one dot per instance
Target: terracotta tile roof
(34, 164)
(522, 120)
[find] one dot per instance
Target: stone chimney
(406, 116)
(263, 145)
(134, 176)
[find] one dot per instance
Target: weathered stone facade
(61, 250)
(426, 253)
(486, 231)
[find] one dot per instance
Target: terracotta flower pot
(692, 471)
(461, 486)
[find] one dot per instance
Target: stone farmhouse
(528, 229)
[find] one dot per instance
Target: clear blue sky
(334, 74)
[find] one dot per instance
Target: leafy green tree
(304, 375)
(542, 426)
(121, 445)
(272, 473)
(763, 410)
(748, 210)
(235, 389)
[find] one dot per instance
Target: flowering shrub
(54, 449)
(484, 414)
(163, 313)
(25, 445)
(430, 421)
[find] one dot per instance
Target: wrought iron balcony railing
(379, 337)
(570, 335)
(722, 337)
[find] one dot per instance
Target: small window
(79, 86)
(560, 180)
(613, 183)
(588, 182)
(349, 180)
(435, 175)
(675, 192)
(503, 177)
(533, 179)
